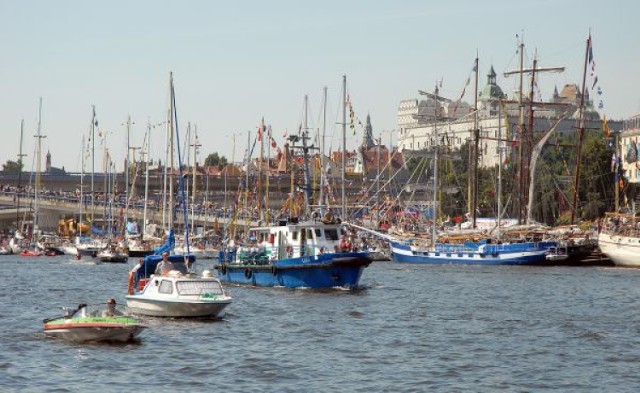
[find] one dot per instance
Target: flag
(261, 130)
(464, 88)
(592, 63)
(605, 126)
(285, 134)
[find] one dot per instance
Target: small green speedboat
(93, 324)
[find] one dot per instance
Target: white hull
(14, 246)
(69, 250)
(180, 296)
(622, 250)
(142, 305)
(92, 334)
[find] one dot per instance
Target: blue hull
(508, 254)
(324, 271)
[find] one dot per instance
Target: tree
(12, 166)
(215, 160)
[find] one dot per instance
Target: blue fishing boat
(312, 252)
(473, 253)
(294, 255)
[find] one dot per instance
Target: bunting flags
(592, 64)
(474, 69)
(274, 145)
(261, 130)
(352, 116)
(592, 72)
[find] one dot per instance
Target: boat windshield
(199, 287)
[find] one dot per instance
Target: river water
(411, 329)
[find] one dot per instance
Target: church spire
(491, 77)
(367, 140)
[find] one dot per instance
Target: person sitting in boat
(328, 217)
(165, 266)
(111, 309)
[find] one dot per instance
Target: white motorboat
(179, 293)
(89, 246)
(556, 254)
(17, 243)
(50, 244)
(112, 256)
(69, 248)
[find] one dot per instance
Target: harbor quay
(60, 195)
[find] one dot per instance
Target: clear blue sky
(237, 61)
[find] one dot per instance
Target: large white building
(419, 121)
(629, 145)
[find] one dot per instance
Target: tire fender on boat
(223, 269)
(248, 273)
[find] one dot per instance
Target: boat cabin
(293, 240)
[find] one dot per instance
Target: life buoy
(248, 273)
(130, 286)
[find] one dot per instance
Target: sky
(237, 62)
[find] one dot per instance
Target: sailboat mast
(344, 144)
(435, 168)
(476, 155)
(171, 139)
(79, 226)
(580, 124)
(259, 188)
(521, 135)
(267, 178)
(181, 178)
(527, 144)
(20, 156)
(164, 171)
(194, 172)
(324, 127)
(93, 161)
(39, 136)
(305, 156)
(126, 186)
(499, 215)
(147, 155)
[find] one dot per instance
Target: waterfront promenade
(54, 208)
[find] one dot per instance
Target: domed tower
(490, 94)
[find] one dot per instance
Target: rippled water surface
(413, 328)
